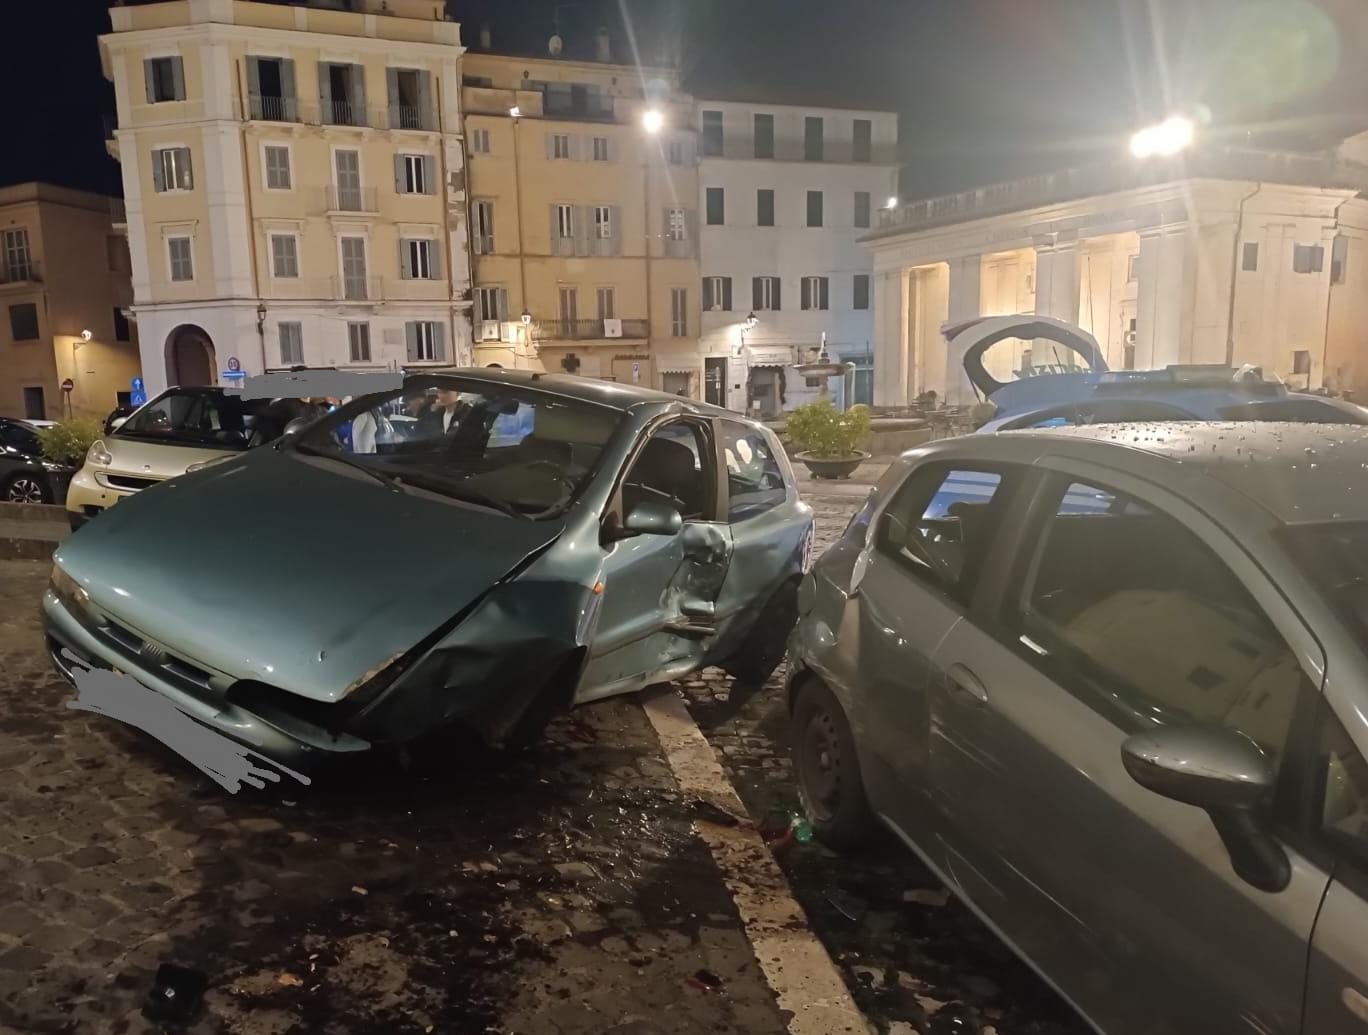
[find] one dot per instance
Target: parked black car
(25, 477)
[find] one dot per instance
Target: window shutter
(581, 228)
(774, 293)
(574, 144)
(399, 179)
(615, 213)
(411, 340)
(185, 164)
(325, 91)
(757, 293)
(178, 78)
(555, 233)
(668, 247)
(392, 86)
(438, 341)
(707, 293)
(613, 147)
(150, 81)
(427, 114)
(158, 172)
(253, 82)
(287, 88)
(691, 230)
(503, 304)
(550, 145)
(806, 300)
(429, 174)
(726, 294)
(435, 260)
(358, 97)
(822, 286)
(405, 267)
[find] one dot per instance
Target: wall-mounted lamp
(527, 318)
(261, 317)
(515, 111)
(86, 335)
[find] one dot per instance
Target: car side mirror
(650, 519)
(117, 423)
(1223, 772)
(295, 426)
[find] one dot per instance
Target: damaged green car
(483, 548)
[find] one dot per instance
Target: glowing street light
(652, 121)
(515, 111)
(1166, 138)
(892, 201)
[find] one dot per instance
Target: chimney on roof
(603, 46)
(486, 37)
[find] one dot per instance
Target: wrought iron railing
(590, 330)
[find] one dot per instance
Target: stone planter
(831, 469)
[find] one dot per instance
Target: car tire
(767, 640)
(26, 488)
(827, 769)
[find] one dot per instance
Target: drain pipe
(1234, 275)
(1329, 294)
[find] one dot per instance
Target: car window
(939, 524)
(1105, 412)
(674, 468)
(1127, 607)
(1342, 782)
(21, 438)
(755, 481)
(193, 419)
(1302, 411)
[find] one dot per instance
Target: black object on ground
(175, 994)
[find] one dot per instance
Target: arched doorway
(189, 357)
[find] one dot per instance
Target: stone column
(890, 344)
(964, 290)
(1057, 281)
(1160, 294)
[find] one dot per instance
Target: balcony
(588, 330)
(357, 289)
(350, 199)
(264, 108)
(20, 273)
(411, 116)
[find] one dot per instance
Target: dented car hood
(293, 570)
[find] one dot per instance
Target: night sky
(987, 89)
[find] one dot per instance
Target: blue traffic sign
(138, 395)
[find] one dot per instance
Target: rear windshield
(193, 419)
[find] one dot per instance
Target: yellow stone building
(583, 219)
(64, 271)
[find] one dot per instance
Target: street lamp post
(652, 121)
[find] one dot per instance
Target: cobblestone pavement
(558, 891)
(913, 957)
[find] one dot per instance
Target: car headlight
(68, 590)
(98, 454)
(208, 463)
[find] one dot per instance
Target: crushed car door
(658, 615)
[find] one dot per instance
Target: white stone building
(1219, 256)
(786, 191)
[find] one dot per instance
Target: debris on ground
(848, 906)
(927, 897)
(711, 812)
(359, 889)
(175, 994)
(287, 980)
(706, 980)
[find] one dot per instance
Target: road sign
(68, 385)
(636, 373)
(233, 365)
(138, 395)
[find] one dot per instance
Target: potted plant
(828, 441)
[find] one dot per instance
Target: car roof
(584, 389)
(1300, 473)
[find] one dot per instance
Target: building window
(764, 207)
(765, 293)
(271, 89)
(354, 284)
(603, 222)
(717, 206)
(358, 342)
(425, 341)
(18, 259)
(607, 304)
(414, 174)
(812, 138)
(814, 208)
(482, 228)
(420, 259)
(861, 291)
(862, 208)
(343, 89)
(122, 332)
(560, 145)
(569, 310)
(1301, 362)
(1132, 268)
(34, 409)
(171, 169)
(492, 304)
(712, 133)
(675, 225)
(24, 321)
(679, 312)
(565, 222)
(600, 149)
(1308, 258)
(674, 151)
(1339, 259)
(165, 79)
(291, 344)
(284, 255)
(815, 293)
(409, 93)
(347, 170)
(717, 294)
(479, 141)
(1249, 257)
(861, 141)
(182, 259)
(764, 136)
(277, 168)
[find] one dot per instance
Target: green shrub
(820, 429)
(68, 441)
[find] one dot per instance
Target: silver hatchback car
(1111, 685)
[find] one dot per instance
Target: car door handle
(966, 684)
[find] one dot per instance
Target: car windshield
(193, 418)
(526, 453)
(22, 438)
(1335, 557)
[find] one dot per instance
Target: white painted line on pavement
(803, 977)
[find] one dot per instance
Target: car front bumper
(74, 644)
(86, 497)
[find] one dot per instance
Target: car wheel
(827, 768)
(25, 488)
(764, 648)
